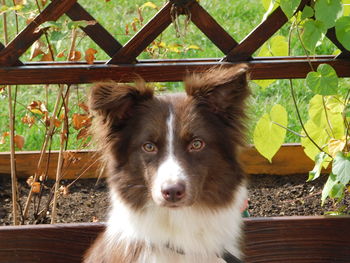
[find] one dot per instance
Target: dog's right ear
(115, 101)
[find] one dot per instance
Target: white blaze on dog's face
(174, 150)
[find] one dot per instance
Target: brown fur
(127, 116)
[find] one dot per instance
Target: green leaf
(316, 172)
(307, 12)
(328, 11)
(332, 181)
(347, 111)
(314, 31)
(276, 46)
(342, 31)
(337, 191)
(289, 6)
(324, 81)
(270, 6)
(341, 168)
(346, 7)
(268, 136)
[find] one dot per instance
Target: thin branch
(298, 134)
(60, 159)
(48, 137)
(14, 187)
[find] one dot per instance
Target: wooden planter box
(268, 240)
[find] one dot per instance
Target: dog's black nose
(173, 192)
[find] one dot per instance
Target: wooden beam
(332, 36)
(255, 39)
(10, 54)
(267, 240)
(144, 37)
(290, 159)
(16, 63)
(96, 32)
(207, 24)
(158, 72)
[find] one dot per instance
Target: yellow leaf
(335, 146)
(149, 4)
(90, 55)
(193, 47)
(19, 141)
(268, 135)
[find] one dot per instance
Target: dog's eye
(196, 145)
(149, 147)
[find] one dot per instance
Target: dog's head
(173, 150)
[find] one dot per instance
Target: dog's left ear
(222, 90)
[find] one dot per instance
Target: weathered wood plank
(96, 32)
(168, 71)
(10, 54)
(208, 25)
(267, 240)
(260, 35)
(290, 159)
(16, 63)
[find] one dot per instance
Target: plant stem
(14, 187)
(298, 134)
(60, 159)
(48, 137)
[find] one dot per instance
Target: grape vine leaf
(341, 168)
(307, 12)
(328, 11)
(268, 135)
(342, 31)
(331, 183)
(324, 81)
(289, 6)
(314, 31)
(316, 172)
(276, 46)
(346, 7)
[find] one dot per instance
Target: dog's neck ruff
(191, 231)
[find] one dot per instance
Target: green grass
(237, 17)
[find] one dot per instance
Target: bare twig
(12, 139)
(60, 159)
(48, 137)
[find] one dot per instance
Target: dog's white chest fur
(182, 235)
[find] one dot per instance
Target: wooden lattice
(123, 64)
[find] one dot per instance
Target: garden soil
(87, 199)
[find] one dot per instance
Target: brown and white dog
(176, 184)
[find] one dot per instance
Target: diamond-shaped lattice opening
(191, 43)
(238, 18)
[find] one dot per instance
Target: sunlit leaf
(324, 81)
(319, 160)
(149, 4)
(314, 31)
(268, 136)
(289, 6)
(276, 46)
(342, 30)
(270, 6)
(346, 7)
(335, 146)
(341, 168)
(328, 11)
(332, 181)
(307, 12)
